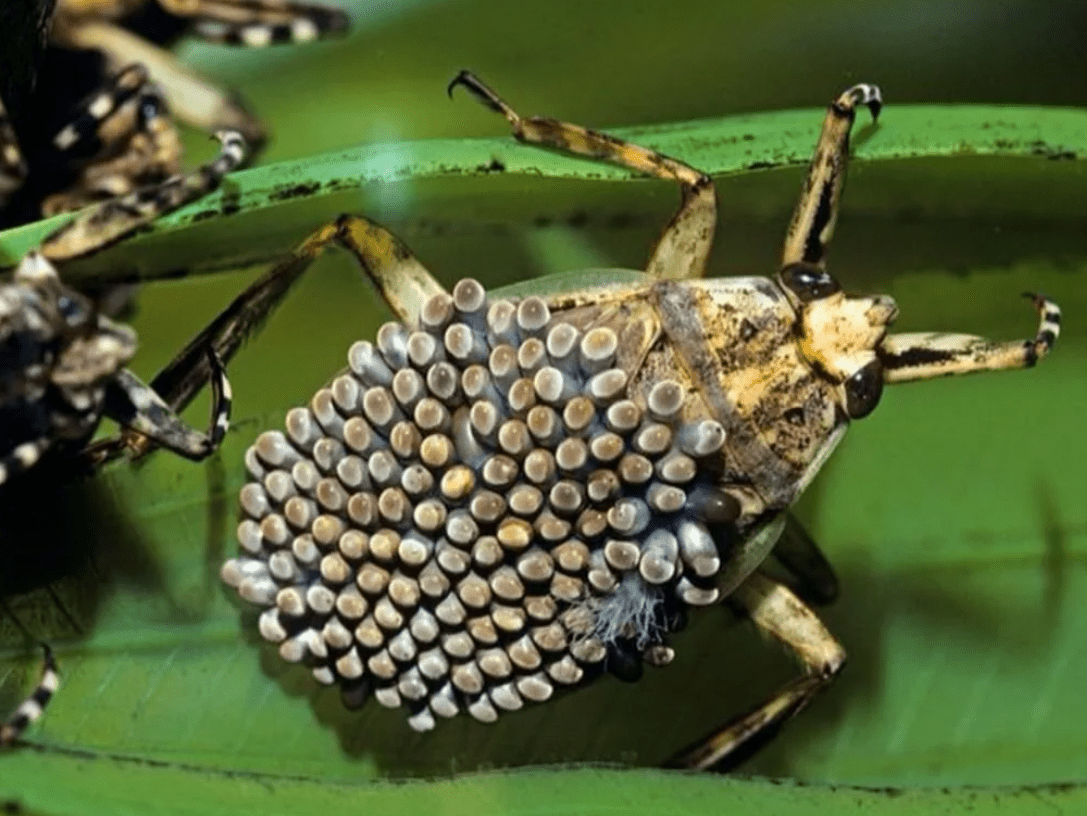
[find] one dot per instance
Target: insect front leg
(777, 611)
(32, 707)
(684, 247)
(813, 220)
(118, 138)
(924, 356)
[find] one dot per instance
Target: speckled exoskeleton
(502, 498)
(87, 89)
(63, 365)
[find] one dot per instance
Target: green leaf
(258, 212)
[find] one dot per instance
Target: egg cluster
(479, 511)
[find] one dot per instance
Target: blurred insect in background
(63, 367)
(88, 89)
(86, 92)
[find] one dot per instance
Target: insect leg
(813, 219)
(778, 612)
(12, 163)
(908, 357)
(400, 279)
(33, 706)
(798, 553)
(118, 138)
(192, 98)
(685, 245)
(99, 226)
(23, 457)
(257, 23)
(131, 403)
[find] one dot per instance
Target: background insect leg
(100, 226)
(12, 163)
(33, 706)
(777, 611)
(191, 97)
(118, 139)
(685, 245)
(812, 225)
(257, 23)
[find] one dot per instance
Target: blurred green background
(955, 514)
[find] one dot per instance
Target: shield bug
(500, 499)
(86, 98)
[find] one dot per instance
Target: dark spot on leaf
(286, 193)
(231, 202)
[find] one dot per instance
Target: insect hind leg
(146, 415)
(399, 277)
(684, 248)
(97, 227)
(774, 609)
(34, 705)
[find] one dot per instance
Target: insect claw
(479, 90)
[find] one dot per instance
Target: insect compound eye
(808, 281)
(73, 310)
(151, 107)
(863, 390)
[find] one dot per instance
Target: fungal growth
(475, 513)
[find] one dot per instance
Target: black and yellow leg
(257, 23)
(140, 410)
(782, 615)
(32, 707)
(400, 279)
(813, 220)
(119, 138)
(12, 163)
(910, 357)
(191, 97)
(99, 226)
(685, 245)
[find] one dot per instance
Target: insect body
(503, 498)
(62, 364)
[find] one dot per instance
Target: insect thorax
(736, 339)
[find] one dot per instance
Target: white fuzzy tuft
(628, 612)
